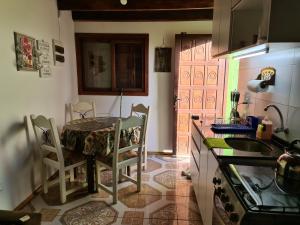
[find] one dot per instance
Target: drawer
(197, 137)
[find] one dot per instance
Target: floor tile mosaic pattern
(166, 197)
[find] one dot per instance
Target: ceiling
(138, 10)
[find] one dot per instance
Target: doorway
(198, 87)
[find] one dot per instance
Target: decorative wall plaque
(58, 52)
(163, 59)
(44, 58)
(26, 58)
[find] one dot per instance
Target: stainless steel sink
(247, 144)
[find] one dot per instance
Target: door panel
(198, 76)
(197, 96)
(184, 96)
(198, 86)
(211, 99)
(212, 75)
(185, 75)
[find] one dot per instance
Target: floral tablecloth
(95, 135)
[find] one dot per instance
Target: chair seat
(70, 157)
(122, 157)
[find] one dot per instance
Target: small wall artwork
(25, 49)
(44, 58)
(58, 52)
(163, 59)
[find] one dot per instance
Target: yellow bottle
(259, 131)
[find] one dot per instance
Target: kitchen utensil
(288, 170)
(234, 114)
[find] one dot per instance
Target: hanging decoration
(26, 55)
(44, 58)
(163, 59)
(58, 52)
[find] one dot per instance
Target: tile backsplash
(285, 94)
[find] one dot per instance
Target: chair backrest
(82, 110)
(140, 110)
(46, 135)
(129, 124)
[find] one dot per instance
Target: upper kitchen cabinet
(255, 22)
(221, 27)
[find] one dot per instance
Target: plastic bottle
(259, 131)
(267, 129)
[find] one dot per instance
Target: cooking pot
(288, 170)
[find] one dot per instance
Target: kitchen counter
(205, 162)
(244, 157)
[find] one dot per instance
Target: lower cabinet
(203, 167)
(212, 165)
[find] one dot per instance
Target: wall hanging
(58, 52)
(26, 56)
(163, 59)
(43, 49)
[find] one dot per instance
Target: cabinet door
(202, 180)
(224, 33)
(216, 27)
(211, 170)
(195, 174)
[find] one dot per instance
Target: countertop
(229, 155)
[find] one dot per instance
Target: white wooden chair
(82, 109)
(53, 155)
(121, 157)
(139, 110)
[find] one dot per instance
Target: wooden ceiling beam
(168, 15)
(132, 5)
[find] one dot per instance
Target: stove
(248, 195)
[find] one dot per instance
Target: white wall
(285, 94)
(160, 125)
(23, 93)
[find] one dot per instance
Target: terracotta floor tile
(159, 222)
(48, 215)
(189, 222)
(133, 218)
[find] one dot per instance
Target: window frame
(113, 39)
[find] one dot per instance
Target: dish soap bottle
(259, 131)
(267, 129)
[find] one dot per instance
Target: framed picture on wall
(25, 52)
(163, 59)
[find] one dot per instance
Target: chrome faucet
(281, 128)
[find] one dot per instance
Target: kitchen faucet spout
(281, 128)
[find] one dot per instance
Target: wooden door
(198, 87)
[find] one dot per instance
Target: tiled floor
(166, 198)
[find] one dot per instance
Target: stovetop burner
(258, 189)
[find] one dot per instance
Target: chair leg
(71, 175)
(120, 175)
(62, 185)
(144, 158)
(44, 178)
(115, 185)
(139, 173)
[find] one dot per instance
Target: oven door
(220, 216)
